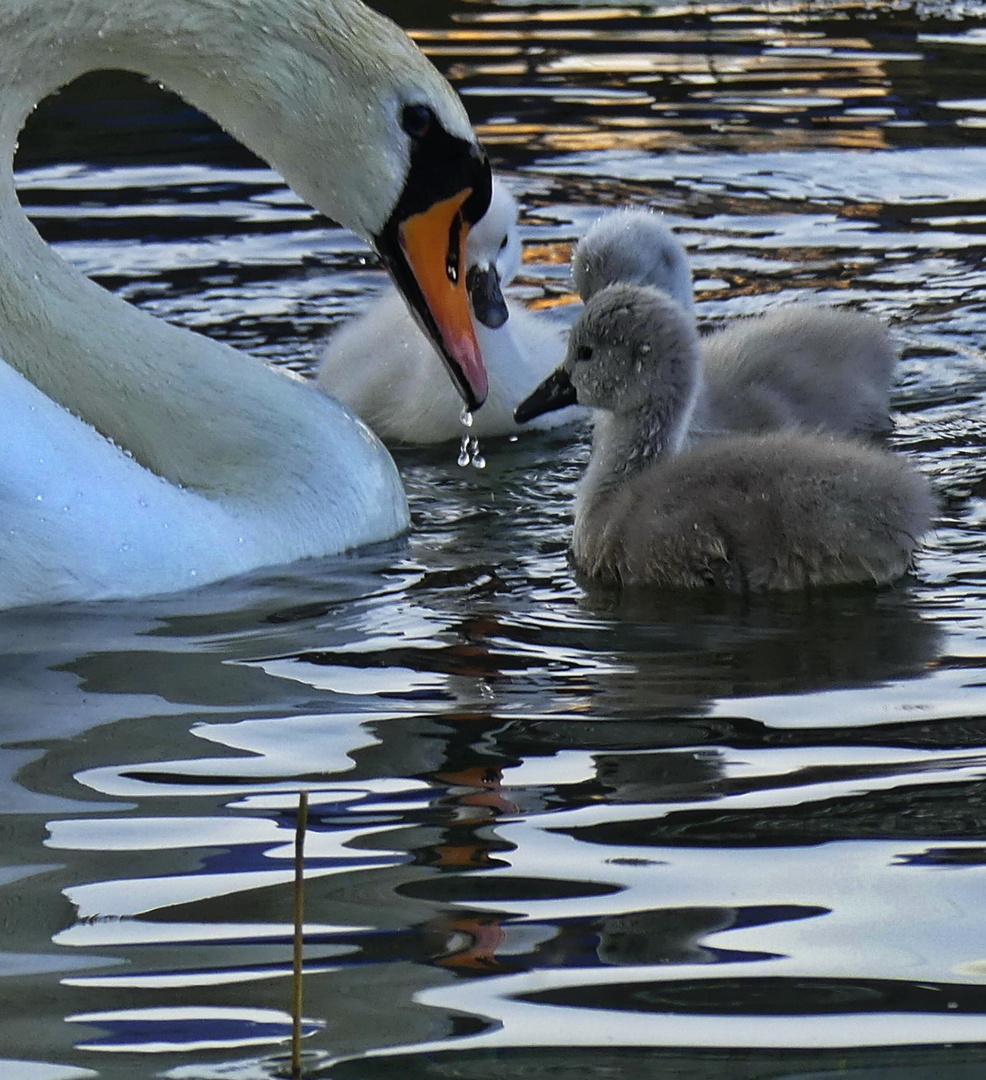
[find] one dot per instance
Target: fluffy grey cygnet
(801, 365)
(780, 511)
(632, 247)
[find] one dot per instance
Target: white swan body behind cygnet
(781, 511)
(800, 365)
(138, 457)
(382, 366)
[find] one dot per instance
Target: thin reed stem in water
(299, 933)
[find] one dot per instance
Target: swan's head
(493, 255)
(423, 181)
(359, 123)
(633, 348)
(635, 247)
(422, 243)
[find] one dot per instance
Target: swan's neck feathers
(268, 71)
(162, 392)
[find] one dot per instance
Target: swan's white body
(83, 520)
(137, 457)
(800, 365)
(399, 392)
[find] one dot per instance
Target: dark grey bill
(556, 392)
(485, 296)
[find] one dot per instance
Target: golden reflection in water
(569, 14)
(556, 254)
(672, 79)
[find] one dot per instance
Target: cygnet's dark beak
(556, 392)
(485, 296)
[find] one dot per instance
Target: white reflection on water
(186, 1028)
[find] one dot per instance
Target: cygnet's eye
(503, 243)
(583, 352)
(416, 120)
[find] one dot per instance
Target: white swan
(800, 365)
(137, 457)
(782, 511)
(396, 391)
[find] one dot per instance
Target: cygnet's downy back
(781, 511)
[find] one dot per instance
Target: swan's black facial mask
(448, 188)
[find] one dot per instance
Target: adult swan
(137, 457)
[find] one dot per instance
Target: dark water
(552, 834)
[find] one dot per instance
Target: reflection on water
(553, 832)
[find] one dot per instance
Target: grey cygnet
(779, 511)
(804, 365)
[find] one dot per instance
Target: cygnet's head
(635, 247)
(632, 348)
(493, 256)
(631, 344)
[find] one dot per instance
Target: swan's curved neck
(252, 65)
(153, 388)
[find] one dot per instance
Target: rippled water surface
(551, 834)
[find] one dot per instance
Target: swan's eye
(583, 352)
(503, 243)
(416, 120)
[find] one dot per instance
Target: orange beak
(432, 243)
(447, 189)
